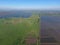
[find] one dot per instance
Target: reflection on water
(50, 27)
(48, 40)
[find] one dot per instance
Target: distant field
(18, 31)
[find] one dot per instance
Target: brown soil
(30, 40)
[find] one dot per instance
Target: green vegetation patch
(13, 31)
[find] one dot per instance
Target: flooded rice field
(50, 30)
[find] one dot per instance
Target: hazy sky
(30, 4)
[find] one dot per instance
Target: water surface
(50, 27)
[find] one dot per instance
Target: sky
(29, 4)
